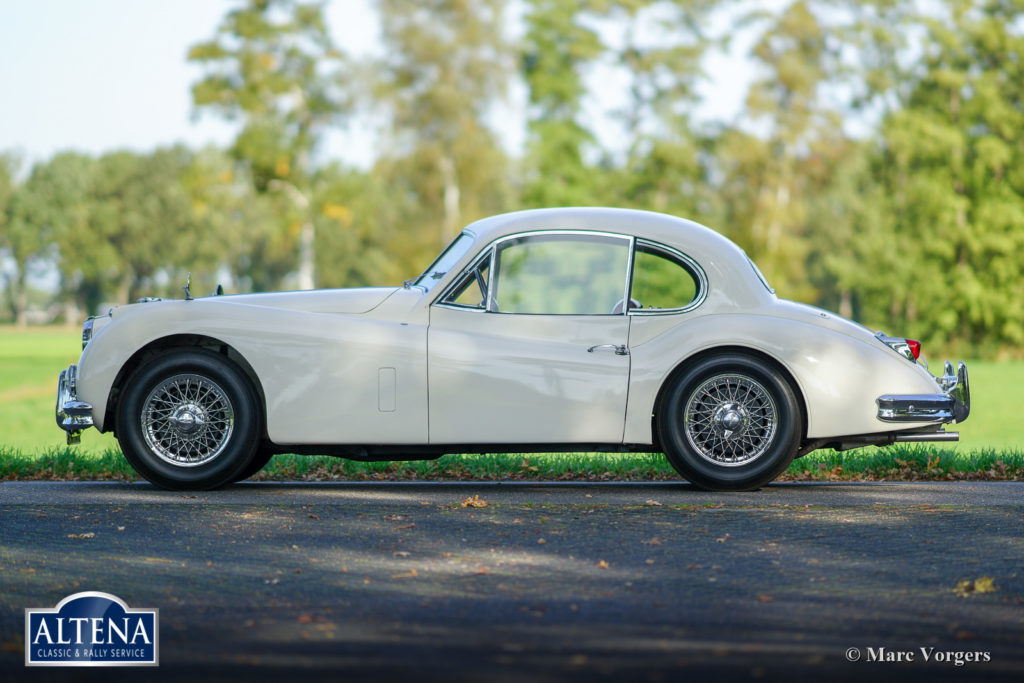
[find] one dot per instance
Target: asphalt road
(650, 582)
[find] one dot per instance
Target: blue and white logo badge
(92, 629)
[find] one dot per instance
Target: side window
(471, 291)
(661, 280)
(560, 274)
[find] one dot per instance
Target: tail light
(908, 348)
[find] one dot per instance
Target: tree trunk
(124, 287)
(846, 304)
(307, 263)
(307, 234)
(450, 185)
(19, 300)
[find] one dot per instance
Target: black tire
(189, 419)
(258, 462)
(730, 422)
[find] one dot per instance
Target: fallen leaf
(405, 526)
(88, 534)
(651, 502)
(408, 575)
(723, 539)
(541, 541)
(313, 516)
(764, 598)
(602, 564)
(475, 502)
(654, 540)
(984, 584)
(305, 619)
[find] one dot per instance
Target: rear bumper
(953, 405)
(73, 415)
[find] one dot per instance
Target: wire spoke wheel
(187, 420)
(730, 420)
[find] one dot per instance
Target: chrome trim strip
(630, 257)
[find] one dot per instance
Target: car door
(529, 344)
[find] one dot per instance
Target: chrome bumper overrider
(953, 405)
(72, 415)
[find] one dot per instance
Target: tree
(661, 48)
(446, 64)
(50, 205)
(953, 158)
(556, 50)
(273, 64)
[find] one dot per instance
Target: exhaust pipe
(927, 436)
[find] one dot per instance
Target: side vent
(387, 379)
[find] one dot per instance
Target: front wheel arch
(169, 344)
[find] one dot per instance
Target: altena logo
(92, 629)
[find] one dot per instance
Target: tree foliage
(876, 167)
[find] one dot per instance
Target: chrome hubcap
(730, 420)
(187, 420)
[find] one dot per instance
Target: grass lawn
(31, 358)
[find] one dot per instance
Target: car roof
(730, 274)
(672, 231)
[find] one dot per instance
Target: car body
(541, 330)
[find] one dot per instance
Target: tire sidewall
(698, 470)
(235, 457)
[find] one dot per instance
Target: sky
(99, 75)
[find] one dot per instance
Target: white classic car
(577, 329)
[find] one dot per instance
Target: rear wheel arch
(755, 354)
(179, 342)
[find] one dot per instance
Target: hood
(340, 301)
(349, 301)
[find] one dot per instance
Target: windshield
(448, 258)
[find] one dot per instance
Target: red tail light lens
(915, 348)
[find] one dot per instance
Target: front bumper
(953, 405)
(72, 415)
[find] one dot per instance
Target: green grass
(905, 462)
(31, 445)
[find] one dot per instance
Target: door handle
(619, 349)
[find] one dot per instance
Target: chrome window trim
(702, 280)
(491, 251)
(415, 282)
(486, 254)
